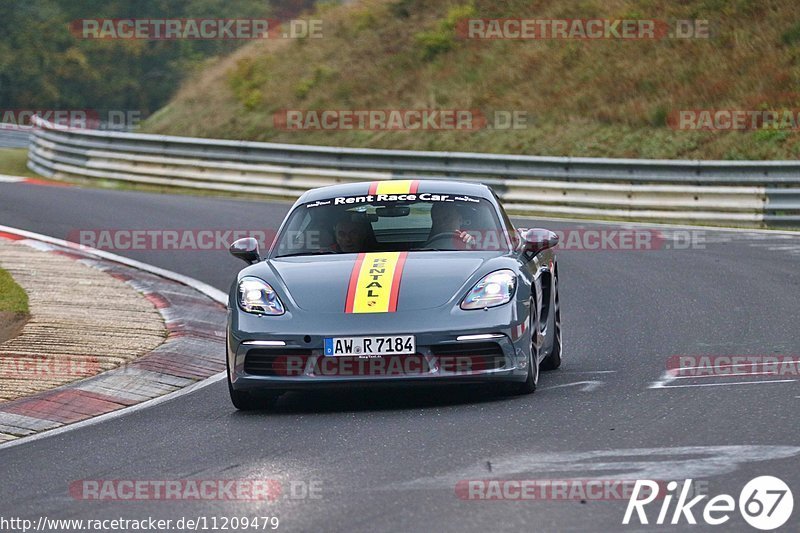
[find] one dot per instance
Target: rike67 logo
(765, 503)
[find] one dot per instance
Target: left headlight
(492, 290)
(256, 296)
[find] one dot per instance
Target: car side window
(509, 226)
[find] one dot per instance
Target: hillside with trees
(599, 97)
(44, 65)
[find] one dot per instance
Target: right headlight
(257, 296)
(492, 290)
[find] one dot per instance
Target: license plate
(386, 345)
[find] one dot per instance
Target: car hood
(427, 279)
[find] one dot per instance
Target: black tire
(532, 380)
(248, 401)
(553, 359)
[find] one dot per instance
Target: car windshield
(419, 222)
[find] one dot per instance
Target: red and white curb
(4, 178)
(192, 355)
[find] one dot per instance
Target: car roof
(421, 186)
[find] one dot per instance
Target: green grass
(13, 161)
(582, 98)
(12, 298)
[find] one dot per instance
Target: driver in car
(351, 236)
(447, 222)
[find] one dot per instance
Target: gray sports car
(393, 282)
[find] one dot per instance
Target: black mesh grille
(469, 357)
(276, 362)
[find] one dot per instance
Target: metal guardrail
(739, 193)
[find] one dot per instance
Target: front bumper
(257, 361)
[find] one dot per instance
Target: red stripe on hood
(398, 274)
(351, 288)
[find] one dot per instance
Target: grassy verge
(12, 298)
(604, 97)
(13, 161)
(13, 307)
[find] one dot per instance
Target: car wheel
(529, 385)
(553, 360)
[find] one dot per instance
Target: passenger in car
(447, 222)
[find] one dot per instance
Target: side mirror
(246, 249)
(537, 240)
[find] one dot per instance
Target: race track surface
(391, 460)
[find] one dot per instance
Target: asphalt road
(390, 460)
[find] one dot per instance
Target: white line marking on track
(706, 376)
(118, 413)
(4, 178)
(672, 374)
(665, 378)
(588, 372)
(588, 386)
(732, 365)
(782, 248)
(683, 462)
(726, 384)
